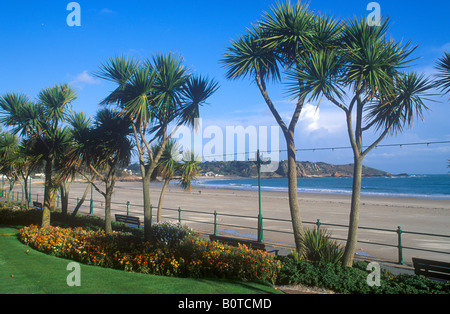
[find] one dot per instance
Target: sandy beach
(197, 210)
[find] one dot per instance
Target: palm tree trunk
(83, 198)
(64, 199)
(292, 164)
(161, 197)
(26, 189)
(22, 201)
(9, 194)
(352, 236)
(147, 204)
(297, 226)
(110, 183)
(47, 195)
(108, 227)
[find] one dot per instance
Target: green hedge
(354, 280)
(20, 216)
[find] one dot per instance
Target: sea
(419, 186)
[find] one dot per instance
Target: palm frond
(20, 113)
(403, 109)
(170, 77)
(189, 169)
(118, 70)
(373, 62)
(137, 95)
(288, 30)
(247, 56)
(320, 74)
(55, 101)
(194, 94)
(443, 76)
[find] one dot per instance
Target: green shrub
(169, 234)
(20, 216)
(354, 280)
(317, 246)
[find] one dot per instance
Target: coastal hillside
(304, 169)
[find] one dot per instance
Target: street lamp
(260, 161)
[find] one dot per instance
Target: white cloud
(106, 11)
(322, 121)
(310, 116)
(85, 78)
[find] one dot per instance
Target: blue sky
(40, 50)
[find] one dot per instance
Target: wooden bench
(431, 269)
(255, 245)
(37, 205)
(131, 220)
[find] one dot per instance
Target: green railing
(179, 215)
(212, 219)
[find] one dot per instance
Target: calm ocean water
(421, 186)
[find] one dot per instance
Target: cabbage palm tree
(154, 94)
(363, 76)
(103, 147)
(443, 76)
(281, 41)
(41, 123)
(168, 165)
(9, 159)
(189, 169)
(69, 163)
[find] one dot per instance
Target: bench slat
(234, 242)
(38, 205)
(128, 219)
(431, 269)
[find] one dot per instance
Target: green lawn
(36, 272)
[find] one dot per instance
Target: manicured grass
(36, 272)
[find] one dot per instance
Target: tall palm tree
(366, 68)
(41, 123)
(278, 44)
(73, 162)
(168, 165)
(10, 162)
(189, 169)
(443, 76)
(69, 163)
(154, 94)
(103, 148)
(29, 163)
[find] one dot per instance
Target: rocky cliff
(304, 169)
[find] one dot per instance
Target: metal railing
(212, 219)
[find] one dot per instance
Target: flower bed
(191, 257)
